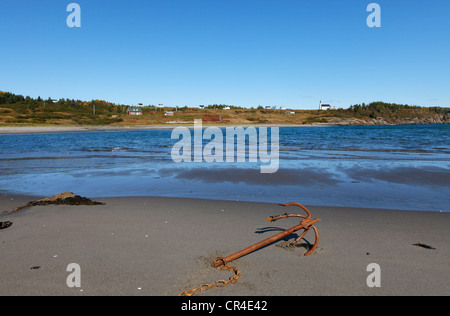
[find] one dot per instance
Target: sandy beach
(71, 129)
(162, 246)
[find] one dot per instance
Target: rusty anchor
(222, 263)
(305, 224)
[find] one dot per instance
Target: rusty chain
(220, 283)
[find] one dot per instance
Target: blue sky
(290, 53)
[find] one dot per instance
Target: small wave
(105, 149)
(72, 157)
(355, 149)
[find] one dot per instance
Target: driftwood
(67, 198)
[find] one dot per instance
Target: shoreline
(6, 130)
(17, 198)
(12, 130)
(162, 246)
(27, 197)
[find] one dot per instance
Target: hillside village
(17, 110)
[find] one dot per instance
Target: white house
(326, 107)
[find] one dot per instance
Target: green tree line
(39, 110)
(388, 110)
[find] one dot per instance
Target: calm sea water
(394, 167)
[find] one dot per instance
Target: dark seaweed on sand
(424, 246)
(66, 198)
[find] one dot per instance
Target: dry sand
(161, 246)
(66, 129)
(76, 129)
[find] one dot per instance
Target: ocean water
(392, 167)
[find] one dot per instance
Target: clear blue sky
(290, 53)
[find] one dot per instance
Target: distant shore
(71, 129)
(162, 246)
(68, 129)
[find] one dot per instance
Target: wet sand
(162, 246)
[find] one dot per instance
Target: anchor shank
(265, 242)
